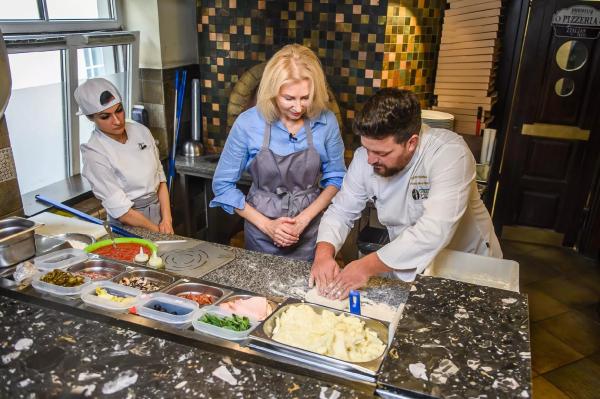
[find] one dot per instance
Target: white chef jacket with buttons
(433, 203)
(120, 173)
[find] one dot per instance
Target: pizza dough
(341, 336)
(374, 310)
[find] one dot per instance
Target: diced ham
(255, 307)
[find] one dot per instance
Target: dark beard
(387, 172)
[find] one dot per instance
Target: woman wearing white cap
(121, 161)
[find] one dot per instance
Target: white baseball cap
(91, 97)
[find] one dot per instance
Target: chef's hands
(166, 226)
(281, 231)
(352, 277)
(323, 272)
(324, 268)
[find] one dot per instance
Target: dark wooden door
(552, 141)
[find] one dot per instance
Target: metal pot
(17, 242)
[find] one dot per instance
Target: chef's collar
(423, 131)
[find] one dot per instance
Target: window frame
(46, 25)
(69, 44)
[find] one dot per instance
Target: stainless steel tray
(99, 266)
(163, 280)
(260, 339)
(187, 287)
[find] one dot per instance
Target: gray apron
(147, 205)
(284, 185)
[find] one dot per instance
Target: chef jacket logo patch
(420, 189)
(420, 193)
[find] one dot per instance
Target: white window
(40, 16)
(44, 130)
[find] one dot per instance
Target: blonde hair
(292, 63)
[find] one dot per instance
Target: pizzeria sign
(582, 22)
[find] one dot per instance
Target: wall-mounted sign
(582, 22)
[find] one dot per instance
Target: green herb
(235, 322)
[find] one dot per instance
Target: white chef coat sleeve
(104, 184)
(347, 204)
(160, 172)
(451, 174)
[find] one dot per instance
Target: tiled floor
(564, 307)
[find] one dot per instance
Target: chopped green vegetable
(235, 322)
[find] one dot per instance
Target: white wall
(168, 36)
(142, 15)
(178, 32)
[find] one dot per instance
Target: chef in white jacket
(121, 161)
(421, 181)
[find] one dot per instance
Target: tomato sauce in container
(125, 249)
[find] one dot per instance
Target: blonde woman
(290, 143)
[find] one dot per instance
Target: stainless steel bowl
(195, 288)
(83, 238)
(107, 267)
(162, 280)
(17, 242)
(45, 244)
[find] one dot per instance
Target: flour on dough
(368, 308)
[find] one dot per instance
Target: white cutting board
(56, 224)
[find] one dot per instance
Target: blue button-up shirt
(245, 140)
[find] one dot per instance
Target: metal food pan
(162, 280)
(186, 287)
(17, 241)
(261, 339)
(274, 305)
(45, 244)
(111, 268)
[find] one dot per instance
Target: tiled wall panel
(363, 46)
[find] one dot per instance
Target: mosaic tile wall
(10, 196)
(363, 46)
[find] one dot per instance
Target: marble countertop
(47, 353)
(455, 340)
(460, 340)
(279, 276)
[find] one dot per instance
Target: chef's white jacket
(120, 173)
(433, 203)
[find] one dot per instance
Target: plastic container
(140, 115)
(161, 280)
(88, 295)
(184, 307)
(121, 240)
(219, 331)
(57, 289)
(109, 268)
(475, 269)
(60, 259)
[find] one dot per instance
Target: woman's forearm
(165, 202)
(253, 216)
(319, 204)
(137, 219)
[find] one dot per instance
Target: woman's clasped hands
(286, 231)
